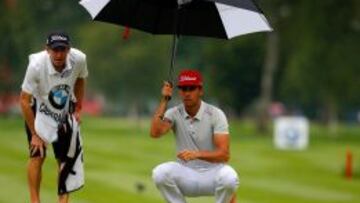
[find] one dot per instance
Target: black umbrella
(208, 18)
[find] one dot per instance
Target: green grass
(119, 154)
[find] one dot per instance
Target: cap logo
(187, 78)
(58, 37)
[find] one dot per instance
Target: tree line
(309, 62)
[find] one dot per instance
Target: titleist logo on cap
(58, 37)
(187, 78)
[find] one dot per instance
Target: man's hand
(187, 155)
(79, 91)
(77, 111)
(37, 144)
(77, 115)
(166, 91)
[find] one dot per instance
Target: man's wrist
(166, 97)
(78, 107)
(33, 132)
(35, 135)
(197, 154)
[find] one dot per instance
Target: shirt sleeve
(83, 69)
(221, 125)
(169, 115)
(29, 84)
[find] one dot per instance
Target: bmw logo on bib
(58, 96)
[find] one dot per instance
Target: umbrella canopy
(208, 18)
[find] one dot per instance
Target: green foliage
(129, 70)
(318, 63)
(234, 69)
(322, 66)
(15, 46)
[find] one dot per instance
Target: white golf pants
(175, 181)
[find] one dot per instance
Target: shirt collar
(198, 115)
(51, 67)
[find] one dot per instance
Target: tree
(277, 12)
(14, 47)
(127, 71)
(323, 67)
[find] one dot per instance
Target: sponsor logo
(58, 38)
(187, 78)
(45, 110)
(292, 136)
(59, 96)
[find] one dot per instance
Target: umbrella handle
(172, 63)
(173, 57)
(173, 53)
(174, 45)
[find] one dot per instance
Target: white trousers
(175, 181)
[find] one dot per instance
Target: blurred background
(307, 67)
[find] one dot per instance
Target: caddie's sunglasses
(187, 88)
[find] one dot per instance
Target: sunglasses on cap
(188, 88)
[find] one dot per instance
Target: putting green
(119, 157)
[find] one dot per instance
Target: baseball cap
(58, 39)
(189, 78)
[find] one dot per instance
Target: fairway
(119, 156)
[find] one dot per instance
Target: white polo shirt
(51, 89)
(197, 133)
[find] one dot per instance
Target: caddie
(54, 80)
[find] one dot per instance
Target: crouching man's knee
(227, 178)
(161, 174)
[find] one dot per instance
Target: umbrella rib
(261, 12)
(222, 24)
